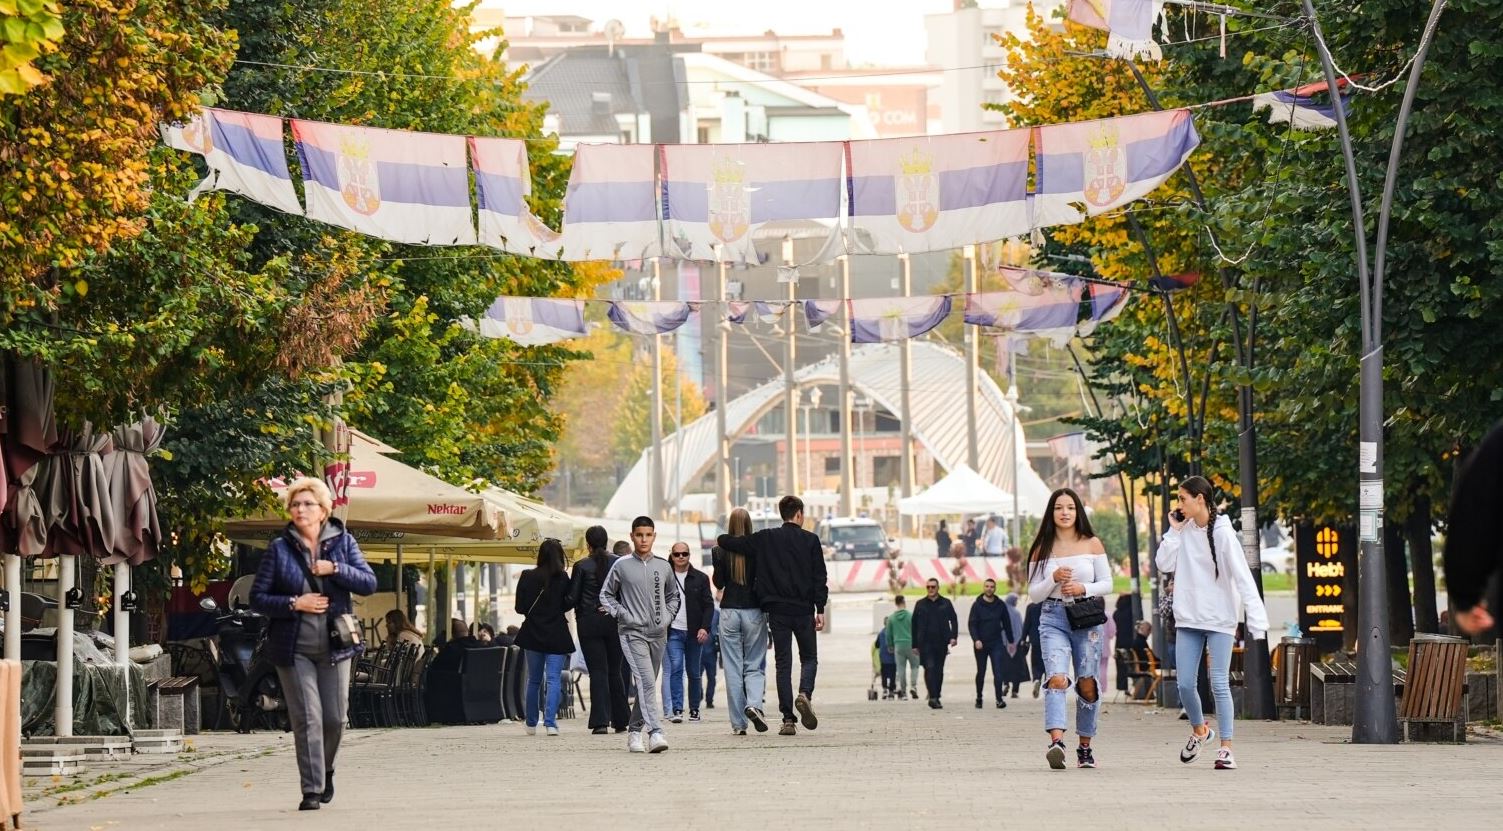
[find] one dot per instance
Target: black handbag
(344, 629)
(1086, 612)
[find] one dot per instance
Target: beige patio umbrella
(527, 521)
(394, 502)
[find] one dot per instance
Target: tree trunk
(1396, 570)
(1348, 550)
(1422, 560)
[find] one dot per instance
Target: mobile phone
(1179, 516)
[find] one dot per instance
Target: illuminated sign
(1320, 578)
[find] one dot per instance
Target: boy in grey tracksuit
(642, 594)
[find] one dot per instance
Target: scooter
(248, 682)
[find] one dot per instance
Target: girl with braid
(1211, 578)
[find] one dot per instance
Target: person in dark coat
(542, 600)
(1034, 648)
(1015, 666)
(598, 639)
(1473, 553)
(942, 540)
(990, 629)
(1122, 617)
(314, 671)
(935, 630)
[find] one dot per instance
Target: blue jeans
(1188, 644)
(1066, 649)
(678, 658)
(743, 648)
(539, 664)
(707, 665)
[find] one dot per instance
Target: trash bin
(1292, 682)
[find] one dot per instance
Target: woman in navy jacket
(315, 674)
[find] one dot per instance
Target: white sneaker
(1224, 760)
(1191, 751)
(531, 729)
(552, 731)
(634, 742)
(657, 742)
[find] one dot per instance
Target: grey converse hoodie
(642, 595)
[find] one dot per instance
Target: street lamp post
(809, 410)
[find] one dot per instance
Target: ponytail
(1200, 486)
(1211, 539)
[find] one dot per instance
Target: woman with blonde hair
(743, 630)
(304, 585)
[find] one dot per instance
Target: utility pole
(655, 495)
(905, 375)
(790, 388)
(722, 441)
(972, 363)
(847, 462)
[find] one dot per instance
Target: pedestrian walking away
(598, 638)
(990, 629)
(1033, 647)
(935, 630)
(886, 665)
(900, 640)
(1123, 623)
(1067, 565)
(1015, 665)
(1211, 578)
(303, 586)
(743, 630)
(942, 540)
(687, 635)
(793, 587)
(641, 593)
(542, 600)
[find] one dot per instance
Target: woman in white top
(1210, 577)
(1068, 562)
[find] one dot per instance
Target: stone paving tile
(870, 765)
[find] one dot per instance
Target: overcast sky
(878, 33)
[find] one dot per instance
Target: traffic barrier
(875, 575)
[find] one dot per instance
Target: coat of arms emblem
(358, 182)
(1105, 167)
(519, 316)
(198, 134)
(730, 201)
(918, 191)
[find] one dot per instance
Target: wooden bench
(174, 703)
(1437, 691)
(1291, 681)
(1333, 687)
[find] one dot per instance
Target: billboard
(1320, 578)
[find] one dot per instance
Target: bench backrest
(1437, 676)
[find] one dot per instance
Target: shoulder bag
(1086, 612)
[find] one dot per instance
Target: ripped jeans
(1066, 649)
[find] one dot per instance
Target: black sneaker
(935, 705)
(677, 717)
(600, 731)
(693, 715)
(756, 718)
(978, 702)
(1084, 758)
(1056, 755)
(1001, 704)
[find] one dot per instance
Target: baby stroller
(882, 672)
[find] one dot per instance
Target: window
(760, 61)
(857, 533)
(886, 471)
(702, 135)
(832, 465)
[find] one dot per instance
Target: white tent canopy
(965, 491)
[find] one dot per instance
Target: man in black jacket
(935, 630)
(689, 629)
(1473, 554)
(990, 628)
(792, 585)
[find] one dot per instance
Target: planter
(1482, 696)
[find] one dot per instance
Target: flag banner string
(1040, 303)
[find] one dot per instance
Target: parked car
(854, 538)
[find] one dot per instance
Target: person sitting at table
(485, 634)
(450, 657)
(400, 630)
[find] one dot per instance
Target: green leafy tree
(28, 29)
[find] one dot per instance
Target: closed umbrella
(133, 500)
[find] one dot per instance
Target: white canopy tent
(965, 491)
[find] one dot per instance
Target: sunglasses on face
(679, 554)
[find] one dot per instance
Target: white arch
(939, 423)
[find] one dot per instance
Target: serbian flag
(736, 311)
(392, 184)
(1175, 282)
(533, 321)
(1128, 24)
(657, 317)
(1299, 108)
(244, 155)
(1051, 313)
(1107, 301)
(502, 183)
(1090, 167)
(879, 319)
(910, 195)
(818, 311)
(715, 196)
(611, 205)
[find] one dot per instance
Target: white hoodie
(1202, 600)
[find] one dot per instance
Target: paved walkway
(869, 765)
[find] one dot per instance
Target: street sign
(1320, 583)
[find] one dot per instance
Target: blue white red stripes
(1090, 167)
